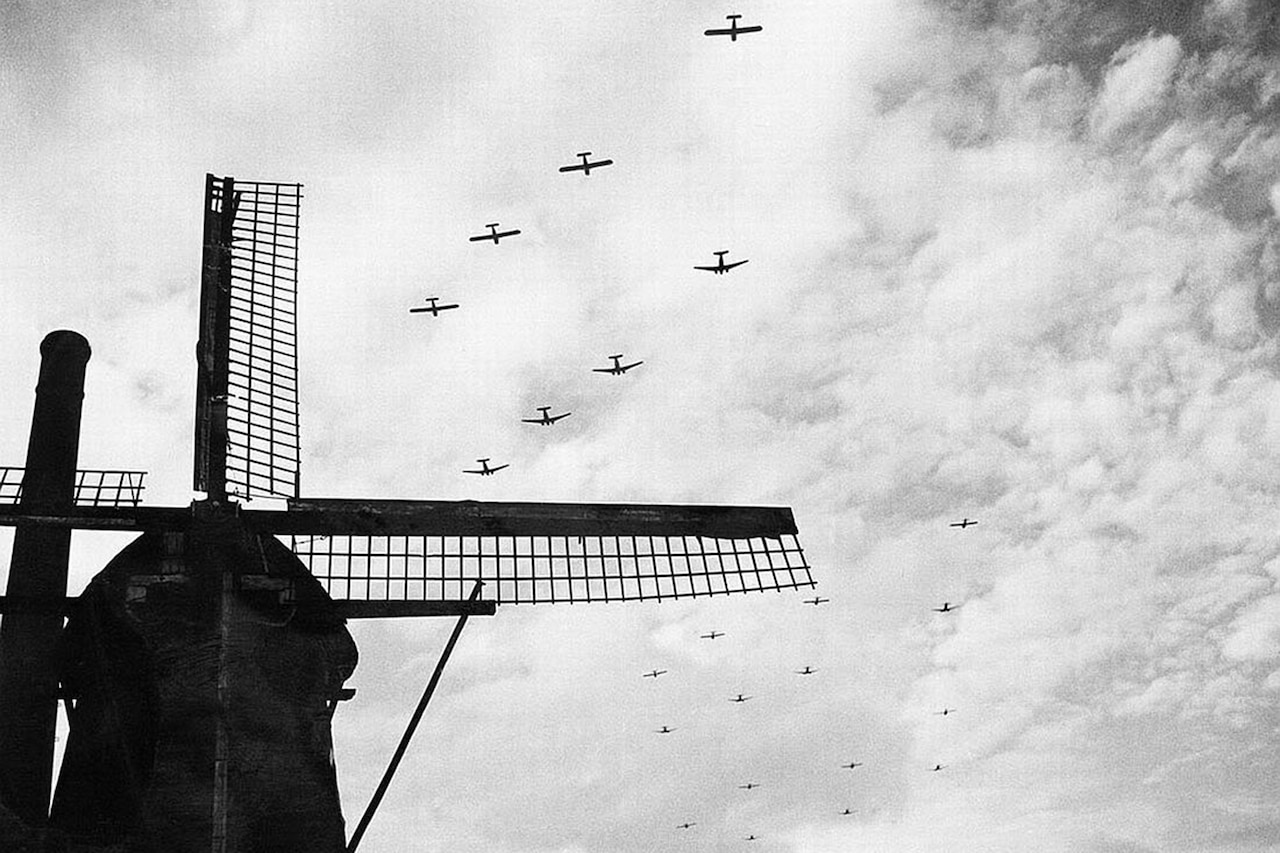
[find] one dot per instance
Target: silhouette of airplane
(945, 608)
(816, 601)
(851, 765)
(740, 698)
(584, 167)
(484, 470)
(618, 368)
(753, 838)
(749, 786)
(733, 31)
(846, 812)
(433, 308)
(653, 674)
(494, 234)
(721, 267)
(935, 768)
(685, 825)
(712, 635)
(805, 671)
(663, 731)
(547, 419)
(963, 524)
(944, 712)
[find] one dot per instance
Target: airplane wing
(718, 32)
(753, 29)
(599, 163)
(558, 417)
(708, 269)
(735, 264)
(602, 370)
(633, 364)
(480, 237)
(576, 167)
(499, 467)
(531, 420)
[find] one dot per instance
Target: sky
(1011, 260)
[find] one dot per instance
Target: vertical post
(38, 573)
(213, 348)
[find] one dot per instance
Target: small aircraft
(749, 786)
(685, 825)
(433, 308)
(967, 522)
(851, 765)
(740, 698)
(846, 812)
(816, 601)
(805, 671)
(484, 470)
(653, 674)
(618, 367)
(712, 635)
(733, 30)
(945, 608)
(494, 234)
(944, 712)
(935, 768)
(663, 731)
(547, 419)
(753, 838)
(584, 167)
(721, 267)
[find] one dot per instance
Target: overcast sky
(1015, 261)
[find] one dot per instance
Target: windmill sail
(93, 487)
(247, 396)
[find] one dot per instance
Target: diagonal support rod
(409, 730)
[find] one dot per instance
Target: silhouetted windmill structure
(200, 669)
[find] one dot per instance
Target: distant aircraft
(749, 786)
(584, 167)
(618, 368)
(712, 635)
(935, 768)
(753, 838)
(805, 671)
(851, 765)
(494, 234)
(721, 267)
(653, 674)
(433, 308)
(484, 470)
(944, 712)
(945, 608)
(663, 731)
(963, 524)
(740, 698)
(685, 825)
(846, 811)
(547, 419)
(816, 601)
(733, 30)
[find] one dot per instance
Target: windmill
(200, 669)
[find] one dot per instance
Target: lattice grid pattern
(538, 569)
(93, 487)
(262, 403)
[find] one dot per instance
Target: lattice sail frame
(94, 487)
(248, 399)
(550, 569)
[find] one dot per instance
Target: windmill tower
(200, 669)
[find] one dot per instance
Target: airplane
(805, 671)
(433, 307)
(663, 731)
(945, 608)
(944, 712)
(721, 267)
(653, 674)
(935, 768)
(963, 524)
(851, 765)
(734, 30)
(846, 812)
(753, 838)
(618, 368)
(584, 167)
(816, 601)
(494, 234)
(685, 825)
(749, 786)
(547, 419)
(484, 470)
(712, 635)
(740, 698)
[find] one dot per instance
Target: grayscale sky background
(1017, 260)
